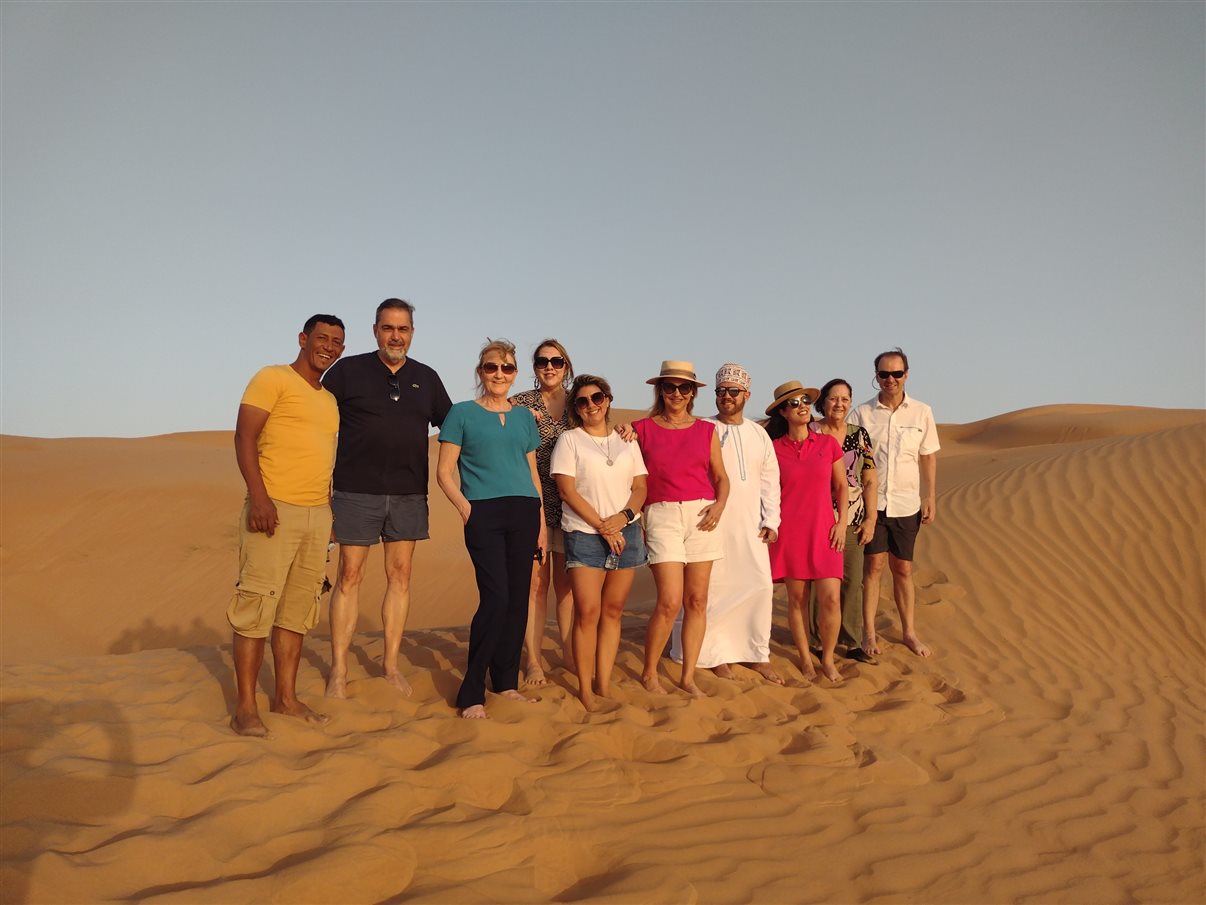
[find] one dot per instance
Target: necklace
(604, 448)
(678, 425)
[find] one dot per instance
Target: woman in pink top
(812, 478)
(687, 490)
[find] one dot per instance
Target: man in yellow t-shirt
(285, 447)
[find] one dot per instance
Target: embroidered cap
(733, 373)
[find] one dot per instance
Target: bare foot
(917, 646)
(588, 701)
(723, 671)
(808, 671)
(298, 709)
(653, 684)
(692, 689)
(395, 679)
(535, 677)
(870, 644)
(764, 670)
(337, 686)
(512, 695)
(248, 724)
(830, 672)
(476, 712)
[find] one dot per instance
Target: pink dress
(805, 476)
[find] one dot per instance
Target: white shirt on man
(606, 487)
(898, 438)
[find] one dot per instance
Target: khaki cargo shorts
(280, 577)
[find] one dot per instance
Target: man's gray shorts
(363, 519)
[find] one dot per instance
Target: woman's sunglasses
(582, 402)
(797, 402)
(683, 389)
(541, 361)
(491, 366)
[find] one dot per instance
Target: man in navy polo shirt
(387, 403)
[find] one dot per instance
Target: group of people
(555, 496)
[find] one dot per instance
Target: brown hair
(585, 380)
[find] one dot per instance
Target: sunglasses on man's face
(491, 366)
(593, 399)
(732, 391)
(542, 361)
(683, 389)
(884, 375)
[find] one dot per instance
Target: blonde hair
(568, 377)
(503, 347)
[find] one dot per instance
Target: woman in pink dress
(812, 478)
(687, 491)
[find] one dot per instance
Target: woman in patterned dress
(862, 483)
(549, 404)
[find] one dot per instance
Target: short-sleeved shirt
(678, 461)
(857, 455)
(899, 438)
(606, 487)
(296, 448)
(494, 454)
(383, 442)
(550, 430)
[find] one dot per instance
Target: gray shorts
(363, 519)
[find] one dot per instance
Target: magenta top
(677, 461)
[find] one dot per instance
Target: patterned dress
(550, 430)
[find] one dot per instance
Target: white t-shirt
(606, 487)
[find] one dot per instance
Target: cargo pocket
(311, 619)
(252, 609)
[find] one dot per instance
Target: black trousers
(501, 538)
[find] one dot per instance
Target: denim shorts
(590, 551)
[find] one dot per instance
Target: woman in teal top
(487, 469)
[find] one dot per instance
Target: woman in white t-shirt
(601, 480)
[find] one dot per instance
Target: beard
(394, 356)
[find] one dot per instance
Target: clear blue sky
(1013, 192)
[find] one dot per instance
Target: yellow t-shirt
(297, 445)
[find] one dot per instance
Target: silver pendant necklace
(605, 448)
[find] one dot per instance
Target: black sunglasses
(732, 391)
(582, 402)
(797, 402)
(395, 391)
(683, 389)
(542, 361)
(884, 375)
(491, 366)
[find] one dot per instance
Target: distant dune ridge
(1051, 750)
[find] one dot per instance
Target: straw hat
(790, 390)
(682, 370)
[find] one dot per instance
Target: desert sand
(1051, 750)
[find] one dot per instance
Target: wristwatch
(628, 514)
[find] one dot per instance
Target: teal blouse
(494, 456)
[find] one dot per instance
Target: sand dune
(1052, 750)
